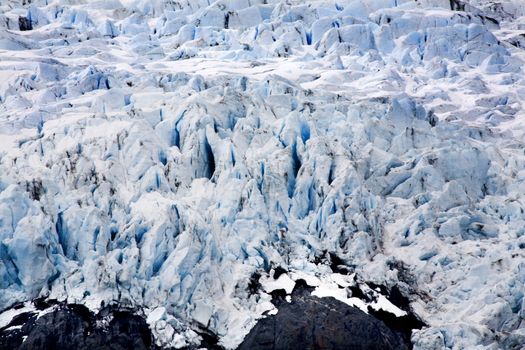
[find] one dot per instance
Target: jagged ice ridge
(159, 153)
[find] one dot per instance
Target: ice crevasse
(159, 154)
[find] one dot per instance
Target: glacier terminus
(227, 174)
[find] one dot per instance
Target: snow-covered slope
(158, 154)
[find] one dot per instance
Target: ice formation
(158, 154)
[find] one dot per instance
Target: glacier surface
(159, 154)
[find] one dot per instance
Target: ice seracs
(162, 154)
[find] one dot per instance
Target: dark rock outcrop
(308, 322)
(75, 327)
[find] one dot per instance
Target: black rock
(309, 322)
(278, 272)
(75, 327)
(305, 323)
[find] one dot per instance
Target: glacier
(159, 154)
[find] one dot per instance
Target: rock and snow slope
(159, 153)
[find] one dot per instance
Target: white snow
(383, 303)
(7, 316)
(330, 290)
(283, 282)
